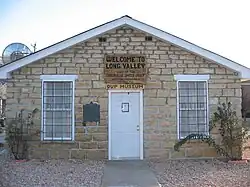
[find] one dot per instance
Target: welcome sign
(125, 69)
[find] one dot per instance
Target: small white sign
(125, 107)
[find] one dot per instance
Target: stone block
(159, 64)
(150, 92)
(72, 70)
(96, 154)
(175, 57)
(36, 71)
(156, 153)
(178, 154)
(83, 84)
(96, 70)
(237, 92)
(88, 145)
(137, 39)
(152, 144)
(81, 92)
(60, 70)
(79, 129)
(124, 39)
(64, 59)
(103, 104)
(154, 71)
(220, 71)
(98, 129)
(228, 92)
(169, 144)
(153, 84)
(194, 152)
(83, 70)
(63, 145)
(95, 60)
(99, 84)
(166, 71)
(154, 101)
(59, 154)
(163, 93)
(102, 145)
(100, 136)
(98, 92)
(83, 137)
(78, 154)
(169, 85)
(151, 110)
(161, 77)
(49, 70)
(191, 70)
(39, 154)
(214, 92)
(181, 65)
(89, 77)
(209, 152)
(213, 100)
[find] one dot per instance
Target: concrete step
(129, 174)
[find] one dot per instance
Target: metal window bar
(57, 110)
(192, 108)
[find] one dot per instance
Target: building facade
(147, 89)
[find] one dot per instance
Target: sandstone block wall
(86, 60)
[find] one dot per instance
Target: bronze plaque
(125, 69)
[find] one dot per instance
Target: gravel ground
(178, 173)
(53, 173)
(201, 173)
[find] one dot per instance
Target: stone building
(142, 88)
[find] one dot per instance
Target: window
(58, 107)
(192, 105)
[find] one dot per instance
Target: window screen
(192, 107)
(57, 110)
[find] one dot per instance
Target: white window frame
(59, 78)
(194, 78)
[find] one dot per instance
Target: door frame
(140, 123)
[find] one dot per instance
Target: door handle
(138, 128)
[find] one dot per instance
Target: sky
(221, 26)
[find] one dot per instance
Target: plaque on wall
(91, 112)
(125, 69)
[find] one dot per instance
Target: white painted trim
(57, 78)
(177, 111)
(191, 77)
(125, 20)
(141, 125)
(110, 122)
(195, 78)
(109, 125)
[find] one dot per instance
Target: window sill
(57, 141)
(195, 138)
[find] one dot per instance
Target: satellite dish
(15, 51)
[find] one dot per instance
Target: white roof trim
(181, 77)
(243, 71)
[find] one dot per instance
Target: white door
(125, 123)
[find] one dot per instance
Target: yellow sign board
(125, 86)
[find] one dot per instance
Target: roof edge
(243, 71)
